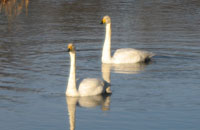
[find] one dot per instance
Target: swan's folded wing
(91, 86)
(129, 55)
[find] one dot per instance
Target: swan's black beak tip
(68, 50)
(101, 22)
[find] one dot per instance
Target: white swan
(125, 55)
(88, 86)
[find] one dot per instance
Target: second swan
(121, 56)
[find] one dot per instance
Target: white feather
(129, 55)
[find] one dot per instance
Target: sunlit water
(34, 66)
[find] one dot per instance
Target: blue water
(34, 65)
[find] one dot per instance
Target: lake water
(34, 65)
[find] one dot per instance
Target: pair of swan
(93, 86)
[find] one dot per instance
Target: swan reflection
(87, 102)
(123, 68)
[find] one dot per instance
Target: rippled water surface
(34, 65)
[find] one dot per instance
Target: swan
(88, 86)
(124, 55)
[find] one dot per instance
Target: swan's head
(106, 20)
(71, 47)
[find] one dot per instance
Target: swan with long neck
(88, 86)
(121, 56)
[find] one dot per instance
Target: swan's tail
(151, 54)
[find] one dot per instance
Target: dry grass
(13, 8)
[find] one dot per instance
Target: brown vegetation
(13, 8)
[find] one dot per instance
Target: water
(34, 65)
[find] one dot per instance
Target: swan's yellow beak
(103, 21)
(70, 47)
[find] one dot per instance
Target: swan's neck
(106, 53)
(71, 87)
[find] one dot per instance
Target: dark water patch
(13, 99)
(52, 94)
(17, 89)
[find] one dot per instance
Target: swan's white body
(91, 86)
(129, 55)
(121, 56)
(88, 86)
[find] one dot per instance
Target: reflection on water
(88, 102)
(106, 77)
(12, 8)
(123, 68)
